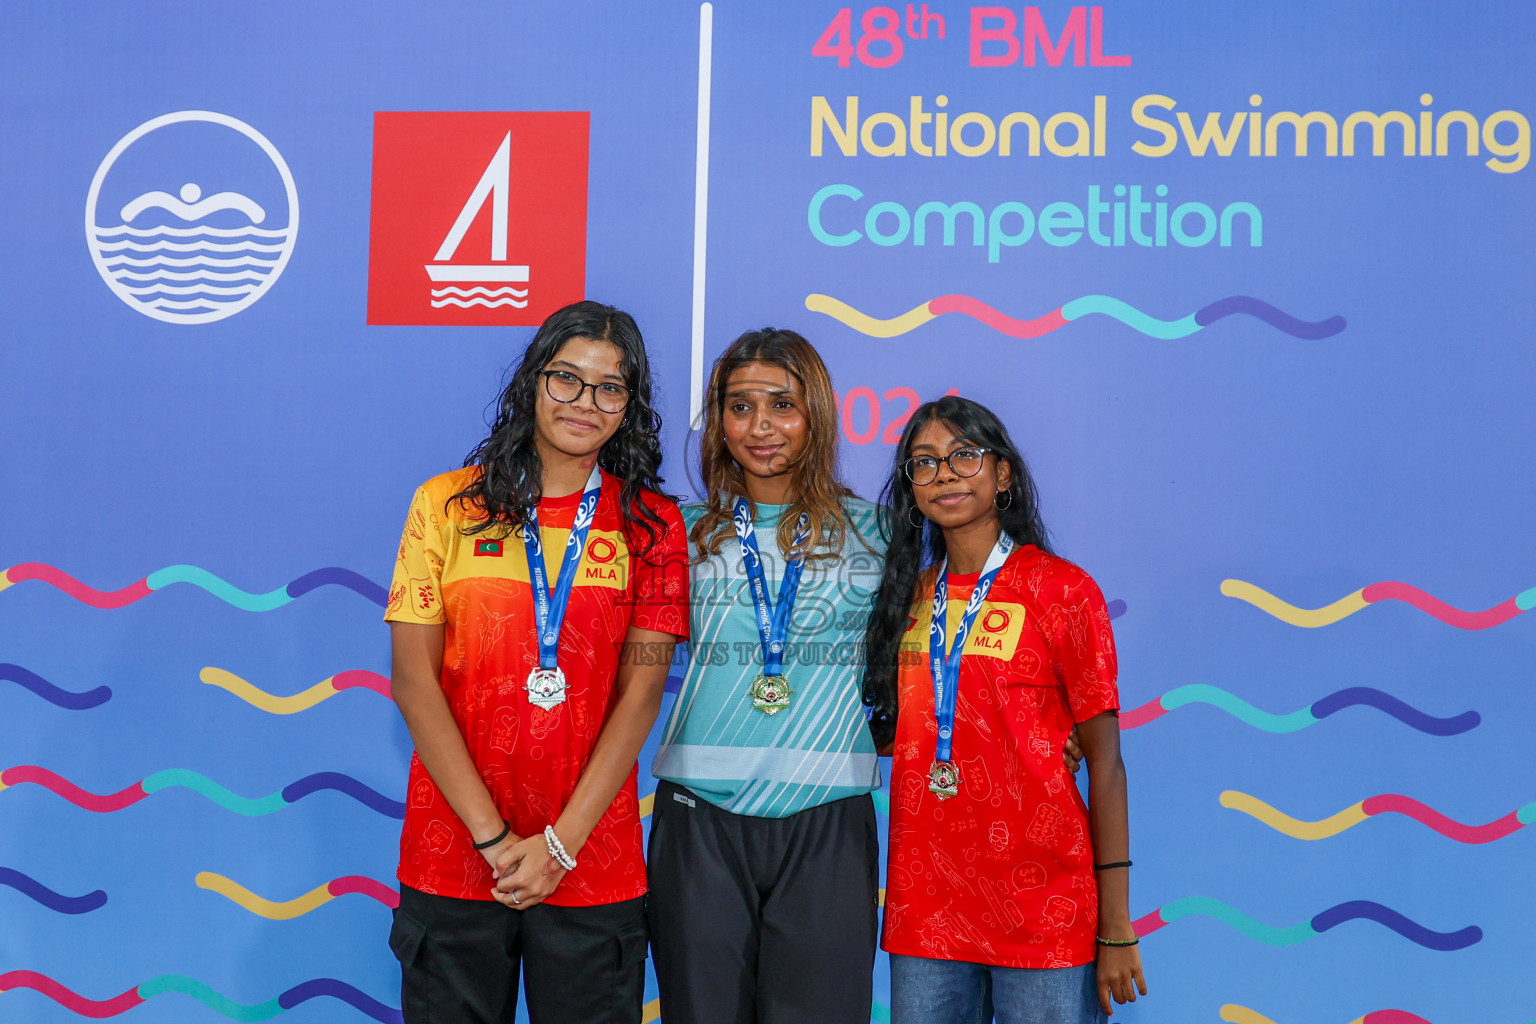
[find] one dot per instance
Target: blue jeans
(927, 991)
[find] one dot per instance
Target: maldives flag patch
(488, 548)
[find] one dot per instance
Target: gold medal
(944, 779)
(770, 694)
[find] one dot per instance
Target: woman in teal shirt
(763, 829)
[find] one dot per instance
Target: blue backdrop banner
(1248, 283)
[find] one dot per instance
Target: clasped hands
(525, 872)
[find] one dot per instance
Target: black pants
(459, 961)
(763, 920)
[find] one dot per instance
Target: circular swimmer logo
(192, 217)
(995, 621)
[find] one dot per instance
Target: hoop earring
(1003, 508)
(921, 520)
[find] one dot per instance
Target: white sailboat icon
(495, 184)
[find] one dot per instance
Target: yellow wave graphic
(1308, 618)
(268, 702)
(1332, 825)
(285, 911)
(863, 322)
(1242, 1015)
(652, 1011)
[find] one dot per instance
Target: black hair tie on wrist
(1116, 864)
(506, 830)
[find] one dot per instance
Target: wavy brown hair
(814, 477)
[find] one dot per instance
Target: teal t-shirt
(819, 748)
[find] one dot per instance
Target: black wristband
(1116, 864)
(506, 830)
(1116, 942)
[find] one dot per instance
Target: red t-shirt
(478, 587)
(1001, 873)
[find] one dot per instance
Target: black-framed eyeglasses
(963, 462)
(566, 387)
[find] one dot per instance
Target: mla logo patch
(478, 218)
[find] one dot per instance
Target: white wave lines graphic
(479, 296)
(221, 265)
(115, 262)
(123, 229)
(478, 301)
(488, 293)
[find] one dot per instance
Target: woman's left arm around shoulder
(1119, 967)
(643, 664)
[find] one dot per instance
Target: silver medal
(546, 688)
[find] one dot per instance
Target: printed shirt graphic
(1002, 873)
(529, 758)
(818, 749)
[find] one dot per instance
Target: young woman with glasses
(1004, 893)
(536, 599)
(763, 850)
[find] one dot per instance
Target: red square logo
(478, 218)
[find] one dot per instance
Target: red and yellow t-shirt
(478, 586)
(1001, 873)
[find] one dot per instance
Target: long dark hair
(511, 474)
(819, 489)
(910, 549)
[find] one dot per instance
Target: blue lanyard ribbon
(549, 609)
(945, 666)
(772, 620)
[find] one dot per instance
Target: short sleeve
(1082, 643)
(661, 574)
(415, 592)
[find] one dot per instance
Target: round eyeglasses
(963, 462)
(567, 387)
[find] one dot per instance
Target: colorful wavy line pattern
(224, 591)
(1385, 803)
(1235, 1014)
(1355, 696)
(40, 893)
(1103, 305)
(1354, 910)
(1312, 618)
(105, 803)
(301, 701)
(67, 699)
(287, 910)
(139, 994)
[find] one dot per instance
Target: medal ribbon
(945, 666)
(772, 620)
(549, 609)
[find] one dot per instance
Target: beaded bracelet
(506, 830)
(557, 849)
(1116, 942)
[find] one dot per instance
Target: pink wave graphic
(998, 321)
(1432, 605)
(96, 1008)
(362, 885)
(101, 803)
(1393, 803)
(75, 589)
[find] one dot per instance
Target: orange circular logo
(601, 550)
(995, 621)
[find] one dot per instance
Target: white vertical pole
(700, 216)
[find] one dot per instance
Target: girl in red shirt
(1005, 893)
(536, 599)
